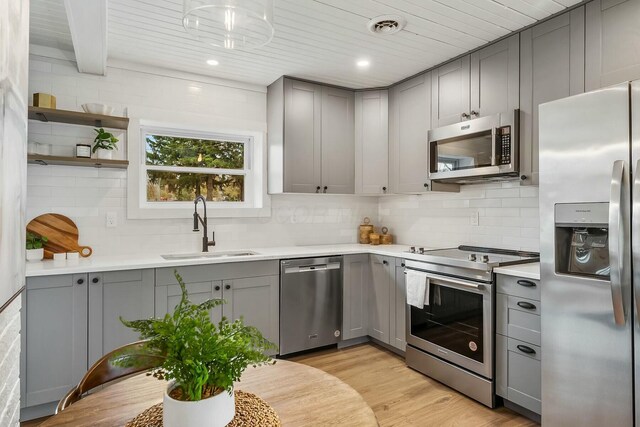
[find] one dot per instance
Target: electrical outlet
(475, 218)
(112, 219)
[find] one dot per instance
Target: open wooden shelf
(76, 161)
(78, 118)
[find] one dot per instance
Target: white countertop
(526, 271)
(97, 263)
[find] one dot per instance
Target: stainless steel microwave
(481, 149)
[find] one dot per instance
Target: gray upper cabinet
(129, 294)
(338, 162)
(409, 122)
(495, 78)
(310, 138)
(372, 142)
(612, 40)
(398, 337)
(54, 353)
(302, 134)
(552, 67)
(450, 92)
(382, 283)
(356, 278)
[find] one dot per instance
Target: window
(178, 166)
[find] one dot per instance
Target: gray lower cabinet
(54, 338)
(356, 276)
(251, 291)
(398, 337)
(551, 67)
(114, 294)
(612, 39)
(518, 351)
(380, 291)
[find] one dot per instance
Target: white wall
(507, 213)
(87, 194)
(10, 365)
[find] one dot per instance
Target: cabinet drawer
(519, 287)
(518, 318)
(524, 375)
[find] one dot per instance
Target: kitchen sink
(205, 255)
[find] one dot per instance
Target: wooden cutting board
(62, 233)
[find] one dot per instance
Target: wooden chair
(103, 371)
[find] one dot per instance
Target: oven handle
(450, 281)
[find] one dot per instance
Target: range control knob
(421, 250)
(472, 257)
(412, 249)
(485, 258)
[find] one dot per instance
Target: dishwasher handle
(312, 268)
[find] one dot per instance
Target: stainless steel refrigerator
(590, 257)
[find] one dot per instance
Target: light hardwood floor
(400, 396)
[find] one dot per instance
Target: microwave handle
(494, 151)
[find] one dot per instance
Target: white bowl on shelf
(94, 108)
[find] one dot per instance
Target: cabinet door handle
(95, 280)
(217, 288)
(324, 190)
(465, 116)
(227, 287)
(475, 113)
(317, 189)
(402, 265)
(426, 185)
(384, 189)
(80, 281)
(385, 262)
(526, 283)
(526, 305)
(525, 349)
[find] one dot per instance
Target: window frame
(181, 122)
(247, 171)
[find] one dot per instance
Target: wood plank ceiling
(314, 39)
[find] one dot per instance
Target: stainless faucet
(197, 218)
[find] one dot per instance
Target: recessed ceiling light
(363, 63)
(212, 62)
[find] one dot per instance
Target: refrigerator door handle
(616, 241)
(636, 236)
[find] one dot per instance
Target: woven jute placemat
(250, 411)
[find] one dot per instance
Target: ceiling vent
(386, 24)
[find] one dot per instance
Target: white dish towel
(417, 288)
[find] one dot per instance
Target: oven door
(457, 325)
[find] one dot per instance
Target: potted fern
(105, 142)
(35, 246)
(201, 360)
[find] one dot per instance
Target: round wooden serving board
(62, 233)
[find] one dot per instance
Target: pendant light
(231, 24)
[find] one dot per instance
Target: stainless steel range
(451, 337)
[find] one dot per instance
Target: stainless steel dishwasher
(310, 303)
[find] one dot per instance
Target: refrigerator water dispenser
(582, 239)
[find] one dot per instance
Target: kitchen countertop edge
(526, 271)
(119, 263)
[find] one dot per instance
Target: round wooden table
(300, 394)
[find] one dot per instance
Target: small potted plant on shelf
(105, 142)
(35, 246)
(200, 359)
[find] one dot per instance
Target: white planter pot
(216, 411)
(104, 154)
(35, 254)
